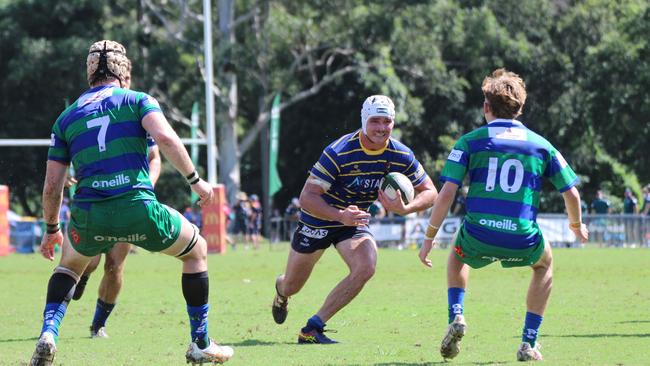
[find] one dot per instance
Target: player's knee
(363, 273)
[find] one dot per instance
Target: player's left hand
(582, 233)
(48, 242)
(424, 252)
(395, 205)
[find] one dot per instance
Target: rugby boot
(450, 346)
(99, 333)
(279, 307)
(213, 353)
(45, 351)
(315, 336)
(80, 287)
(528, 353)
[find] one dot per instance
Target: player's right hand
(424, 252)
(48, 242)
(204, 190)
(353, 216)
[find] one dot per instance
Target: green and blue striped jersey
(101, 134)
(354, 173)
(505, 162)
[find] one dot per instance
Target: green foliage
(585, 64)
(398, 318)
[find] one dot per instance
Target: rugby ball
(393, 181)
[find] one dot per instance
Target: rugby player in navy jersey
(104, 135)
(334, 211)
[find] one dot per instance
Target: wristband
(431, 231)
(428, 238)
(191, 177)
(52, 228)
(576, 225)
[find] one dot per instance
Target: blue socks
(455, 298)
(531, 328)
(102, 311)
(314, 323)
(199, 324)
(52, 317)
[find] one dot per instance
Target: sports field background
(599, 312)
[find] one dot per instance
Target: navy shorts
(307, 239)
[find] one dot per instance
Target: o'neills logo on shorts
(131, 238)
(75, 236)
(119, 180)
(313, 233)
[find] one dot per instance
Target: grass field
(599, 312)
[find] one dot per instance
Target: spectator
(292, 215)
(458, 208)
(601, 204)
(64, 214)
(646, 200)
(255, 222)
(242, 216)
(629, 202)
(193, 215)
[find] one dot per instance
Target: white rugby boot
(213, 353)
(528, 353)
(450, 346)
(45, 351)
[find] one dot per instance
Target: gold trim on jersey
(319, 227)
(332, 160)
(359, 173)
(335, 197)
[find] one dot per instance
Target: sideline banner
(5, 249)
(417, 226)
(214, 221)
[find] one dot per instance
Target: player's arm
(171, 146)
(154, 163)
(55, 177)
(438, 214)
(311, 200)
(572, 204)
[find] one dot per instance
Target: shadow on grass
(633, 321)
(255, 342)
(599, 335)
(10, 340)
(437, 363)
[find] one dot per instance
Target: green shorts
(95, 227)
(477, 254)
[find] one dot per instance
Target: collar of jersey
(372, 152)
(506, 121)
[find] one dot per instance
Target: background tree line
(586, 64)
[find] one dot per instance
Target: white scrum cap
(376, 105)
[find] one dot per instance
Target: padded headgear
(376, 105)
(105, 59)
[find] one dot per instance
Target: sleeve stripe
(322, 169)
(332, 160)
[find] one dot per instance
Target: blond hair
(107, 59)
(505, 92)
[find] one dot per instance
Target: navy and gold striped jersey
(354, 173)
(102, 135)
